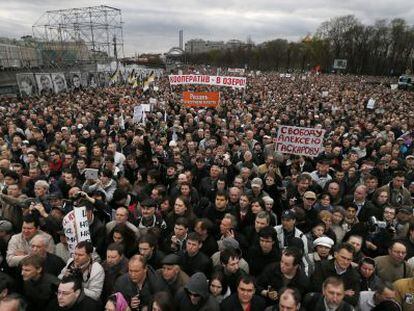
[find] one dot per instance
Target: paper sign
(201, 99)
(325, 93)
(76, 227)
(371, 103)
(137, 114)
(69, 229)
(152, 101)
(146, 107)
(299, 140)
(82, 224)
(394, 86)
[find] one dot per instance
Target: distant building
(195, 46)
(181, 39)
(29, 53)
(18, 56)
(235, 44)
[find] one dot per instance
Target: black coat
(273, 277)
(210, 246)
(38, 293)
(232, 303)
(315, 302)
(153, 284)
(53, 264)
(197, 263)
(258, 260)
(84, 303)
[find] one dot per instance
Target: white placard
(371, 103)
(137, 114)
(146, 107)
(82, 224)
(299, 140)
(152, 101)
(394, 86)
(325, 94)
(235, 70)
(69, 229)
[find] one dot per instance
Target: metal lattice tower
(79, 35)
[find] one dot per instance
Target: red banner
(201, 99)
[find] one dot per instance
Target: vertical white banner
(82, 224)
(70, 231)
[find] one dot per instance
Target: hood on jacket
(198, 285)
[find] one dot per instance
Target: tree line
(384, 48)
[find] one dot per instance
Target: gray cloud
(153, 25)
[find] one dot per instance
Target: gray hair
(232, 218)
(43, 184)
(268, 199)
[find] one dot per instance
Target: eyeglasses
(310, 199)
(62, 293)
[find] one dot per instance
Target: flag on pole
(131, 77)
(150, 79)
(122, 121)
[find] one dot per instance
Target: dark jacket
(315, 302)
(198, 285)
(38, 293)
(112, 273)
(351, 279)
(53, 264)
(156, 258)
(232, 303)
(272, 276)
(210, 246)
(258, 260)
(84, 303)
(198, 263)
(98, 236)
(175, 285)
(153, 284)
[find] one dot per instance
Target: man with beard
(331, 299)
(114, 266)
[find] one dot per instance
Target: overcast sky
(152, 26)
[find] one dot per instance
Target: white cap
(324, 241)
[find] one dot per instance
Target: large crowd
(192, 208)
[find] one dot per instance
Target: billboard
(340, 64)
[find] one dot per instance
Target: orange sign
(201, 99)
